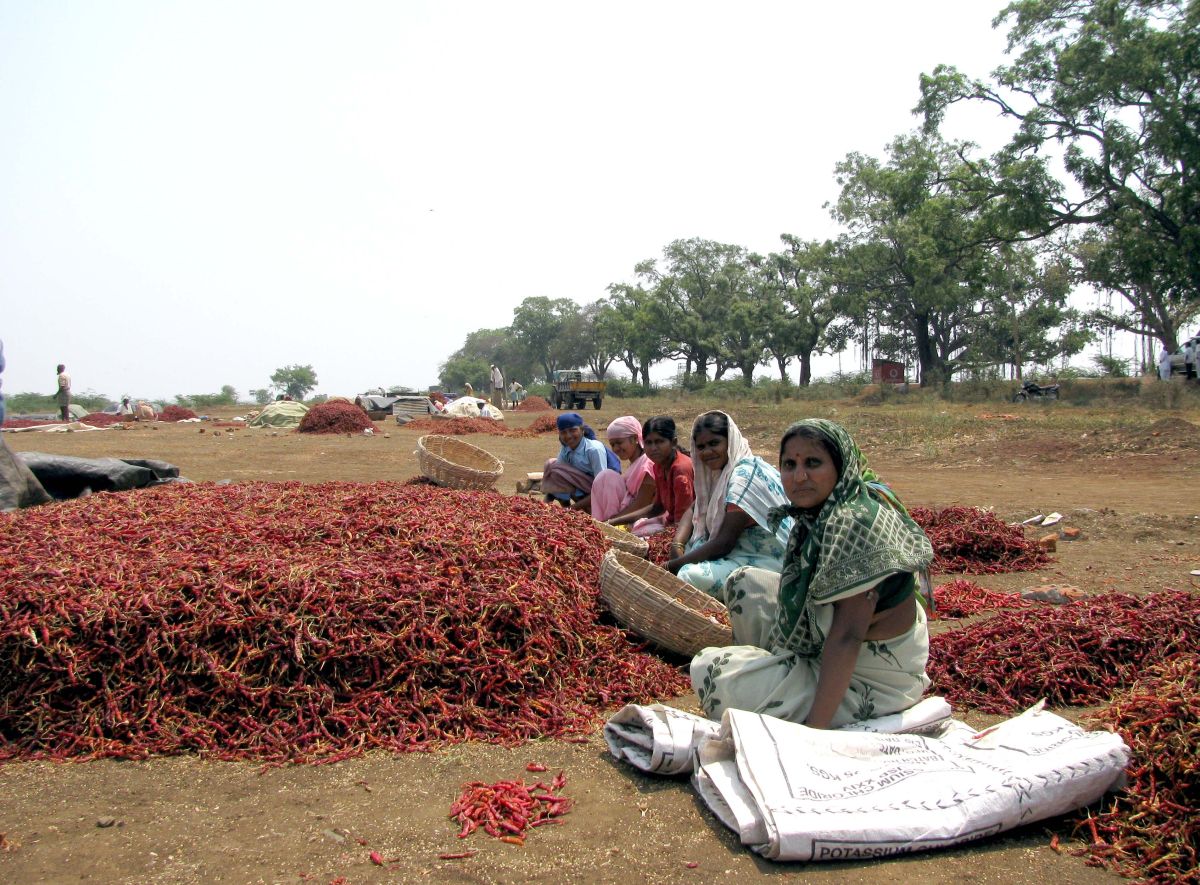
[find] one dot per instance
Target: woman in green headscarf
(839, 636)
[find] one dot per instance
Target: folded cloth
(663, 740)
(797, 794)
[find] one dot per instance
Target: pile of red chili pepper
(175, 413)
(539, 425)
(457, 426)
(335, 417)
(533, 403)
(101, 419)
(1151, 831)
(962, 598)
(660, 546)
(28, 422)
(973, 541)
(288, 622)
(507, 809)
(1073, 655)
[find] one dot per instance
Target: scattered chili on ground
(962, 598)
(507, 809)
(304, 623)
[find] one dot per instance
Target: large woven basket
(655, 604)
(623, 540)
(450, 462)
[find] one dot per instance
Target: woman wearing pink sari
(616, 494)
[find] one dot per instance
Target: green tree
(261, 395)
(913, 253)
(636, 327)
(547, 330)
(294, 380)
(804, 277)
(1116, 84)
(692, 291)
(460, 369)
(599, 342)
(1025, 319)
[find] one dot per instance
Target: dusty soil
(1127, 479)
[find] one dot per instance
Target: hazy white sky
(194, 194)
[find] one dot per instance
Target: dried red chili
(974, 541)
(288, 622)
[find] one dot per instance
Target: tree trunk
(805, 368)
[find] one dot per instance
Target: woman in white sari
(839, 636)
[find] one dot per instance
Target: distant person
(63, 394)
(468, 390)
(516, 393)
(126, 407)
(1164, 365)
(497, 379)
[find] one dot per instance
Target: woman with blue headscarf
(568, 478)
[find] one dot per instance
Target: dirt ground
(1127, 478)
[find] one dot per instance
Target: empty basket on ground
(458, 465)
(623, 540)
(653, 603)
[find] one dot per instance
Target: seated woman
(727, 526)
(839, 636)
(674, 489)
(568, 478)
(615, 495)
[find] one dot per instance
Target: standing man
(497, 387)
(63, 396)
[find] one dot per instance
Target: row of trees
(955, 262)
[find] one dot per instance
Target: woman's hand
(851, 621)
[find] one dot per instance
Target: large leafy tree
(294, 380)
(1116, 84)
(637, 324)
(804, 279)
(599, 341)
(1026, 320)
(693, 287)
(547, 329)
(912, 254)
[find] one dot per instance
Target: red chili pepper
(235, 599)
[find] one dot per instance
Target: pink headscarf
(625, 426)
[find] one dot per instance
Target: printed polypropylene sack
(799, 794)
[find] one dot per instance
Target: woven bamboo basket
(623, 540)
(655, 604)
(450, 462)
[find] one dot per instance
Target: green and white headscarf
(861, 535)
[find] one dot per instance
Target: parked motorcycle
(1032, 390)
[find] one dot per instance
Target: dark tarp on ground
(18, 486)
(65, 477)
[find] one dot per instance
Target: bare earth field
(1128, 478)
